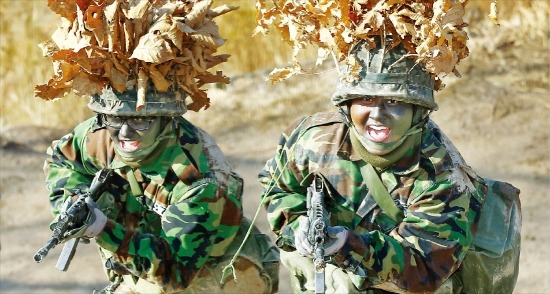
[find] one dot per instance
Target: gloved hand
(301, 241)
(336, 238)
(92, 225)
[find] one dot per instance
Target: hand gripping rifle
(318, 219)
(70, 217)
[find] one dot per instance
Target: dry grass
(25, 23)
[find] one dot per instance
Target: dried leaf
(67, 9)
(121, 44)
(215, 60)
(161, 84)
(175, 35)
(94, 22)
(82, 85)
(197, 13)
(434, 30)
(220, 10)
(200, 100)
(153, 48)
(493, 14)
(207, 35)
(325, 37)
(117, 78)
(48, 48)
(138, 9)
(48, 92)
(141, 89)
(281, 74)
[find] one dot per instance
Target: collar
(404, 166)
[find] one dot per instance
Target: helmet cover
(112, 102)
(384, 72)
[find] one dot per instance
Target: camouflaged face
(188, 213)
(384, 73)
(440, 195)
(124, 104)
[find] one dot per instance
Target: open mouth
(129, 146)
(378, 133)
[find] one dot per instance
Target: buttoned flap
(500, 220)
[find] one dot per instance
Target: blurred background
(497, 114)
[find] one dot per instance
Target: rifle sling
(134, 185)
(380, 193)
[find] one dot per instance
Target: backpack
(492, 263)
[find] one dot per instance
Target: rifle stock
(70, 217)
(318, 219)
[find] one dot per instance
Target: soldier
(381, 133)
(171, 218)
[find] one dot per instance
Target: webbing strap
(134, 185)
(381, 194)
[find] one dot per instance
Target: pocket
(106, 203)
(385, 222)
(500, 220)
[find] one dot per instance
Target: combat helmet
(112, 102)
(384, 72)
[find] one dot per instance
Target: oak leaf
(153, 48)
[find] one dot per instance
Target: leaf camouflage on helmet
(125, 45)
(384, 72)
(432, 31)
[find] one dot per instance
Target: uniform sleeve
(284, 198)
(66, 168)
(190, 229)
(427, 247)
(200, 222)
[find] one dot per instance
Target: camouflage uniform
(439, 193)
(179, 224)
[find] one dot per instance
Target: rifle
(318, 219)
(73, 215)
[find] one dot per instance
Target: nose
(125, 132)
(377, 110)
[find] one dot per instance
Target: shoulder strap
(380, 193)
(134, 185)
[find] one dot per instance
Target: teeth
(378, 128)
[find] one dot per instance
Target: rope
(230, 268)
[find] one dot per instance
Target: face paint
(134, 145)
(381, 121)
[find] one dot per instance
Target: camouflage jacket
(440, 195)
(189, 212)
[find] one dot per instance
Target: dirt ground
(497, 114)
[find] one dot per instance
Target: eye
(367, 101)
(140, 118)
(113, 119)
(392, 102)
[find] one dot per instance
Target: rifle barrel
(42, 252)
